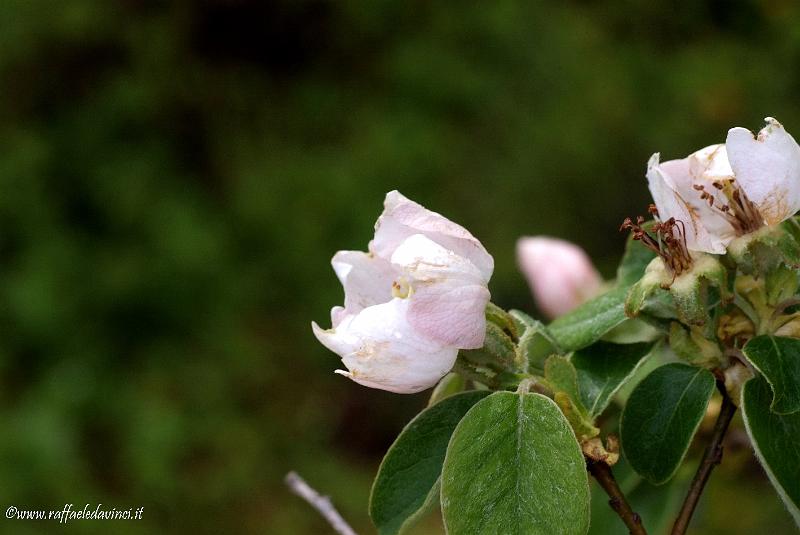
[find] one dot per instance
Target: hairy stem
(711, 457)
(605, 477)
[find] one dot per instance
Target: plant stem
(321, 503)
(603, 474)
(711, 457)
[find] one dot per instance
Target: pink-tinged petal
(448, 295)
(559, 273)
(767, 169)
(403, 217)
(670, 185)
(451, 314)
(707, 166)
(366, 278)
(337, 315)
(710, 164)
(382, 350)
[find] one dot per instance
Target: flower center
(400, 288)
(739, 211)
(666, 238)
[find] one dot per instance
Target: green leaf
(603, 368)
(521, 320)
(450, 384)
(792, 227)
(632, 331)
(781, 284)
(513, 467)
(590, 321)
(562, 379)
(776, 440)
(633, 263)
(778, 359)
(407, 478)
(661, 417)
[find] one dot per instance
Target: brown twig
(321, 503)
(711, 457)
(605, 477)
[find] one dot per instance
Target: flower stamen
(739, 211)
(665, 238)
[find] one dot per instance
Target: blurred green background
(174, 178)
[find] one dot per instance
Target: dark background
(174, 178)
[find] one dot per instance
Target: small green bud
(692, 346)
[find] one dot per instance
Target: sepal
(699, 289)
(692, 293)
(760, 252)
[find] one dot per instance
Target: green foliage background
(174, 178)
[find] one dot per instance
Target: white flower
(560, 273)
(411, 302)
(725, 191)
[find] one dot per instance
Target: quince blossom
(725, 191)
(560, 274)
(411, 302)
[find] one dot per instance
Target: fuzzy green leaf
(776, 440)
(535, 345)
(513, 467)
(603, 368)
(562, 379)
(590, 321)
(661, 417)
(778, 359)
(408, 476)
(521, 320)
(633, 263)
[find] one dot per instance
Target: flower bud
(416, 298)
(560, 274)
